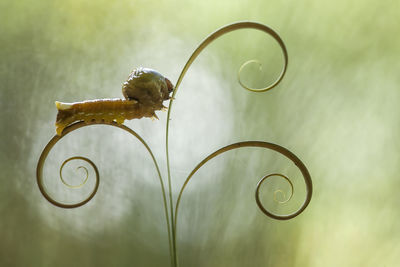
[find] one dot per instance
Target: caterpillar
(144, 92)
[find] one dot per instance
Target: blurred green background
(337, 109)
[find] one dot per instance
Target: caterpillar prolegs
(144, 92)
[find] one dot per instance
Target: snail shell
(148, 87)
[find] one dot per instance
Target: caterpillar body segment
(99, 110)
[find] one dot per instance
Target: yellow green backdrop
(337, 109)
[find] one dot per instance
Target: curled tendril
(71, 128)
(39, 175)
(80, 167)
(266, 145)
(263, 89)
(230, 28)
(56, 138)
(260, 205)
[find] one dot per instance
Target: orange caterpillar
(144, 92)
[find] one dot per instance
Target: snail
(144, 92)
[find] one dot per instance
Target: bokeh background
(337, 109)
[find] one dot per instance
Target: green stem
(75, 126)
(213, 36)
(174, 253)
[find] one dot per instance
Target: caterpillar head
(148, 87)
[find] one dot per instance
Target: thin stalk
(173, 247)
(73, 127)
(209, 39)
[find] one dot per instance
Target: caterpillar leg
(60, 127)
(154, 117)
